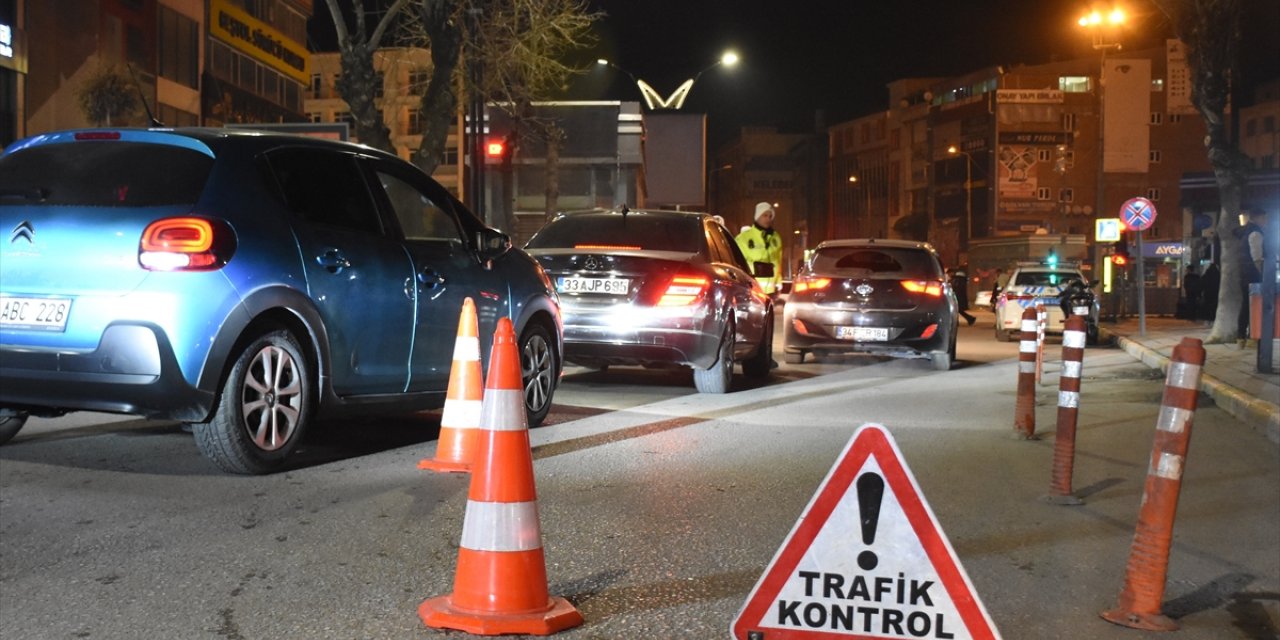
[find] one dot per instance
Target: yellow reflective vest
(763, 245)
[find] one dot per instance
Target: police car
(1033, 283)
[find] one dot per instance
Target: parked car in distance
(247, 284)
(1033, 283)
(656, 288)
(871, 296)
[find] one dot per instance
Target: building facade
(13, 70)
(256, 62)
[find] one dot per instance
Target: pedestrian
(1209, 283)
(960, 285)
(1189, 309)
(762, 246)
(1250, 235)
(997, 285)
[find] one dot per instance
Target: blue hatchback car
(245, 283)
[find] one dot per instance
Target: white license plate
(48, 314)
(1080, 311)
(611, 286)
(863, 334)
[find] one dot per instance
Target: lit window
(1074, 84)
(1157, 85)
(1153, 194)
(1044, 193)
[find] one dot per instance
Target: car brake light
(928, 287)
(97, 135)
(608, 247)
(810, 283)
(684, 290)
(185, 244)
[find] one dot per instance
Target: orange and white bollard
(500, 584)
(1041, 319)
(1064, 444)
(1024, 413)
(460, 419)
(1148, 567)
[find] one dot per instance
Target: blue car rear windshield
(636, 231)
(879, 261)
(107, 174)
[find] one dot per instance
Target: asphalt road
(659, 507)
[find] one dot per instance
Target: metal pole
(1142, 290)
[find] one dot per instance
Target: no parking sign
(1138, 214)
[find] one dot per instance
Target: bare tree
(357, 83)
(1210, 30)
(108, 93)
(521, 45)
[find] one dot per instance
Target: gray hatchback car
(656, 288)
(880, 297)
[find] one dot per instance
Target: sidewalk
(1230, 373)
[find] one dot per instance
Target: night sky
(837, 56)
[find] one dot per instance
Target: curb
(1260, 415)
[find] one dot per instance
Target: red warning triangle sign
(866, 559)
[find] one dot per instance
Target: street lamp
(968, 193)
(866, 207)
(1101, 27)
(676, 100)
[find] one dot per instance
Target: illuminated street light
(676, 100)
(1102, 28)
(968, 193)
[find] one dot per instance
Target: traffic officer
(763, 246)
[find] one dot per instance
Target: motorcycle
(1077, 298)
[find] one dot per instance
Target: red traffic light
(495, 149)
(1119, 259)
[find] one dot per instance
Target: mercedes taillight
(684, 289)
(186, 244)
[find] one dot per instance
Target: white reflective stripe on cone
(1070, 369)
(1073, 339)
(1069, 399)
(1169, 466)
(501, 526)
(498, 408)
(466, 348)
(460, 413)
(1173, 419)
(1183, 375)
(1027, 346)
(1026, 367)
(1030, 325)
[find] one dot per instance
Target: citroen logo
(23, 231)
(864, 289)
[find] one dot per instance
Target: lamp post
(866, 208)
(1097, 23)
(968, 193)
(676, 100)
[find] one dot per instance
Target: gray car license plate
(863, 334)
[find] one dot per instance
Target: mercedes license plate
(863, 334)
(611, 286)
(47, 314)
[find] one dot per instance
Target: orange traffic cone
(500, 586)
(460, 419)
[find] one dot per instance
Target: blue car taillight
(186, 244)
